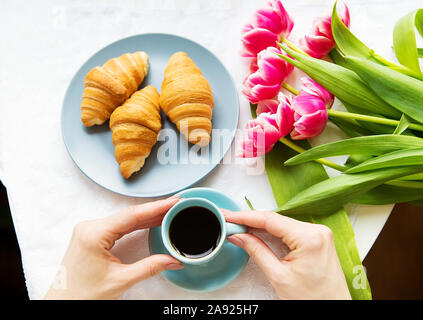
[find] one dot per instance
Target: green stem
(299, 149)
(290, 89)
(249, 203)
(406, 184)
(378, 57)
(362, 117)
(394, 66)
(292, 145)
(293, 47)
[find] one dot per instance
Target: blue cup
(226, 229)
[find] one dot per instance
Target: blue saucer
(219, 272)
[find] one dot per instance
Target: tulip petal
(267, 26)
(306, 104)
(260, 92)
(266, 81)
(310, 125)
(287, 22)
(268, 105)
(320, 42)
(313, 88)
(261, 135)
(267, 19)
(344, 13)
(285, 117)
(318, 46)
(258, 39)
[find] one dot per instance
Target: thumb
(260, 252)
(150, 267)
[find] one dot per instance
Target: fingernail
(236, 241)
(174, 266)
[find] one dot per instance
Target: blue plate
(217, 273)
(180, 165)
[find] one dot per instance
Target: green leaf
(342, 82)
(356, 159)
(409, 157)
(337, 58)
(346, 41)
(351, 128)
(418, 203)
(386, 194)
(367, 145)
(403, 92)
(346, 248)
(249, 203)
(286, 182)
(402, 125)
(405, 39)
(420, 52)
(350, 45)
(332, 194)
(308, 173)
(372, 128)
(406, 184)
(418, 176)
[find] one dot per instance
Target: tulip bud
(320, 42)
(313, 88)
(310, 110)
(266, 81)
(269, 105)
(268, 25)
(264, 131)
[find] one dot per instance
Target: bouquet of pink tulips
(384, 119)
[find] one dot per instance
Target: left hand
(90, 271)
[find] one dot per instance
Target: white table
(43, 44)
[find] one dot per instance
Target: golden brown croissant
(135, 126)
(187, 98)
(108, 86)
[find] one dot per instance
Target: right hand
(311, 270)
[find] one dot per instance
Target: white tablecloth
(43, 43)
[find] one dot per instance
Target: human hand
(311, 270)
(90, 271)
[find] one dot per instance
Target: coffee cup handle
(232, 228)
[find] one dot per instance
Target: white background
(43, 43)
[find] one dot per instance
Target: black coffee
(194, 232)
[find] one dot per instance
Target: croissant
(187, 99)
(135, 127)
(108, 86)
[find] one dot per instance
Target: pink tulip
(266, 81)
(310, 110)
(269, 105)
(321, 41)
(264, 131)
(268, 25)
(313, 88)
